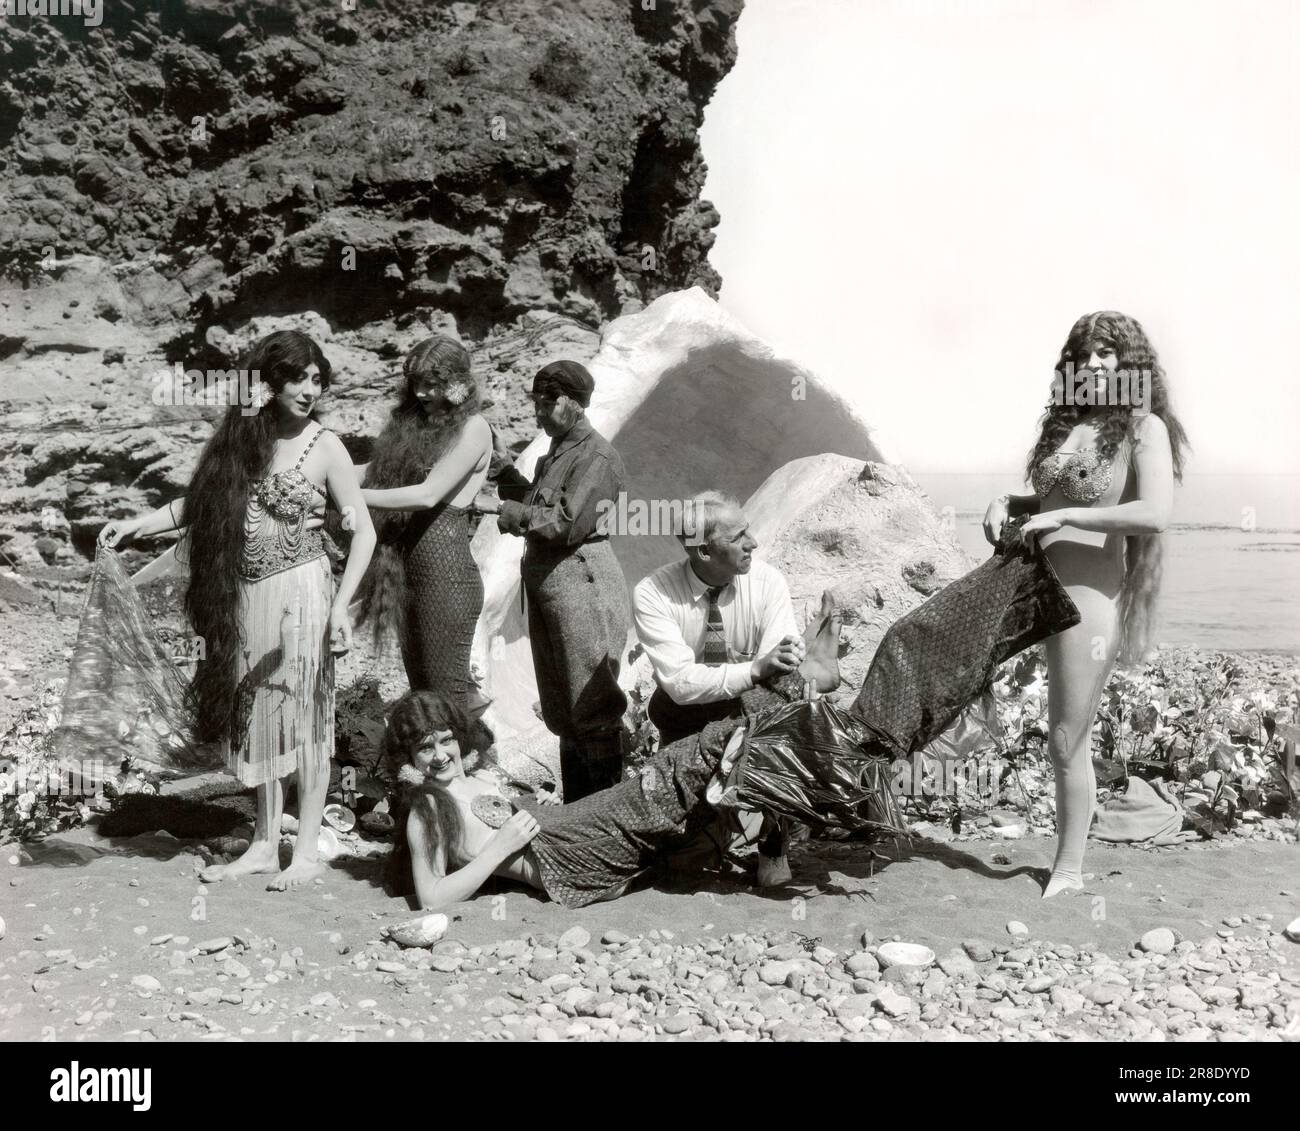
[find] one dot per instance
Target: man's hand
(785, 657)
(486, 503)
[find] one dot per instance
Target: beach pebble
(1291, 930)
(862, 965)
(1184, 997)
(421, 932)
(957, 965)
(1159, 940)
(678, 1024)
(575, 938)
(212, 946)
(1017, 930)
(2, 926)
(146, 982)
(894, 1003)
(1066, 999)
(775, 973)
(614, 937)
(979, 950)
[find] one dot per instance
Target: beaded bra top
(276, 537)
(1084, 475)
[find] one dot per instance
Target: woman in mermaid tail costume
(1103, 470)
(428, 465)
(261, 595)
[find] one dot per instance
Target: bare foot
(821, 663)
(298, 873)
(1062, 881)
(261, 858)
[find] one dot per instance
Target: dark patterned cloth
(444, 591)
(596, 848)
(944, 653)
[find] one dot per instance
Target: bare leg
(1078, 662)
(313, 784)
(263, 854)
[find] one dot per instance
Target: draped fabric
(125, 695)
(944, 654)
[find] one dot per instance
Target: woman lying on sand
(458, 830)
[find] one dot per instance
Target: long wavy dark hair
(412, 441)
(414, 717)
(1143, 553)
(238, 453)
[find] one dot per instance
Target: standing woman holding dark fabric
(428, 464)
(262, 598)
(577, 596)
(1103, 471)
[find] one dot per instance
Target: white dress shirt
(671, 607)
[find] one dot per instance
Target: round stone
(1158, 940)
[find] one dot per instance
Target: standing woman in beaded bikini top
(428, 465)
(262, 597)
(1103, 471)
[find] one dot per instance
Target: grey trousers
(577, 628)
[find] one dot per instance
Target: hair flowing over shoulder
(215, 510)
(411, 442)
(1143, 553)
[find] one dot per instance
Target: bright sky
(919, 198)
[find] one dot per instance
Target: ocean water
(1232, 554)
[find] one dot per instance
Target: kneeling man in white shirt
(714, 625)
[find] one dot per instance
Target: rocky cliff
(192, 172)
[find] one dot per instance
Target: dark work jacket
(575, 482)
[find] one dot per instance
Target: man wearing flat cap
(577, 597)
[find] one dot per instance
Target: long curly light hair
(412, 441)
(238, 453)
(1143, 553)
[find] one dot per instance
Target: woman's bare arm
(1149, 512)
(469, 454)
(435, 888)
(345, 489)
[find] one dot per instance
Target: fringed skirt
(284, 699)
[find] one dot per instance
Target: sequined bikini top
(1084, 475)
(276, 537)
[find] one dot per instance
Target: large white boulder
(866, 532)
(692, 400)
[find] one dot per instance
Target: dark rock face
(190, 172)
(483, 158)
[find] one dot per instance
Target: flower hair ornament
(410, 775)
(456, 392)
(263, 395)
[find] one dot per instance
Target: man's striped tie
(714, 651)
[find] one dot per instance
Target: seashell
(418, 932)
(340, 817)
(327, 845)
(904, 954)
